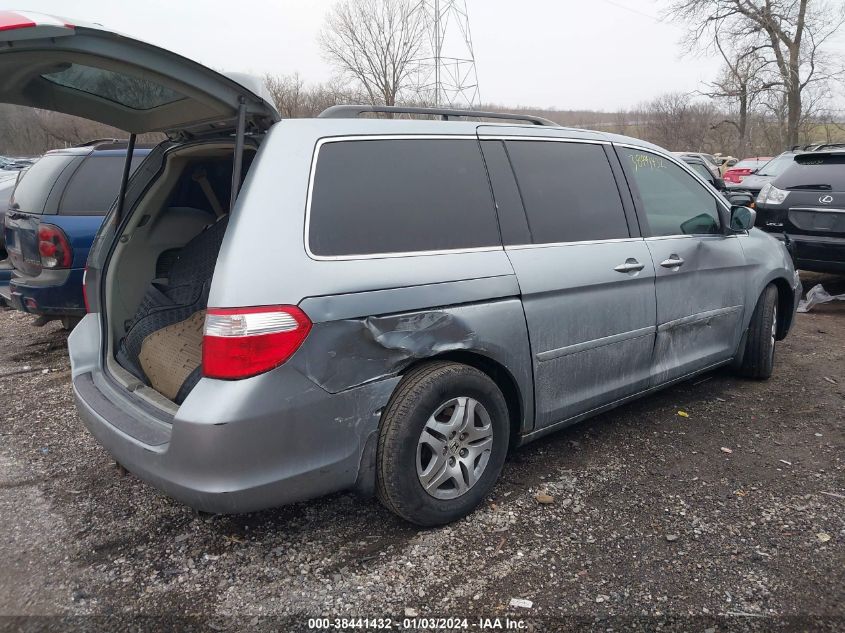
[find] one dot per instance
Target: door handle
(674, 261)
(631, 265)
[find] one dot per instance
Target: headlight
(771, 195)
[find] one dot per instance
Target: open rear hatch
(85, 70)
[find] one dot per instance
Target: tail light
(243, 342)
(54, 247)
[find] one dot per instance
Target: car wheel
(759, 358)
(442, 443)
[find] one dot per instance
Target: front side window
(400, 196)
(569, 191)
(674, 202)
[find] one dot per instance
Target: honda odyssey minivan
(390, 304)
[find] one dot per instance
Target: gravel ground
(731, 517)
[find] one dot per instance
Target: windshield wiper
(818, 187)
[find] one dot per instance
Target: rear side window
(569, 191)
(399, 196)
(94, 186)
(34, 186)
(814, 172)
(674, 202)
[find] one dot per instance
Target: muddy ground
(732, 518)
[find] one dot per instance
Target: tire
(433, 407)
(759, 357)
(68, 322)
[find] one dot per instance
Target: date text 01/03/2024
(411, 624)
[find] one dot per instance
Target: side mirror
(742, 219)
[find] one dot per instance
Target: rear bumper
(52, 293)
(817, 253)
(233, 446)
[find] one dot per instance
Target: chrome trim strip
(529, 137)
(595, 343)
(620, 240)
(823, 209)
(694, 318)
(657, 238)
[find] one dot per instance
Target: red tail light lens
(243, 342)
(54, 247)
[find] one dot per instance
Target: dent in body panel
(698, 339)
(339, 355)
(344, 354)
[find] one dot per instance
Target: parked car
(392, 303)
(709, 160)
(54, 212)
(768, 172)
(15, 164)
(700, 166)
(805, 206)
(7, 183)
(725, 162)
(8, 179)
(743, 168)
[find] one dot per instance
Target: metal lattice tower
(448, 76)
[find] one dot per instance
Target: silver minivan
(283, 309)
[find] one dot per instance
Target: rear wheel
(442, 443)
(758, 360)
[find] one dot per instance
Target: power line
(632, 10)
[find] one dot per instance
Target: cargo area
(158, 279)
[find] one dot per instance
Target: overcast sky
(566, 54)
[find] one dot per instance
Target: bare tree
(789, 33)
(742, 83)
(294, 98)
(676, 122)
(375, 43)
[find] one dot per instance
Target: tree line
(774, 88)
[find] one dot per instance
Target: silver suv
(390, 304)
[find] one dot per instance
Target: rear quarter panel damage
(347, 353)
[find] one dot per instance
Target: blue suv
(54, 213)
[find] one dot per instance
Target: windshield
(750, 163)
(776, 166)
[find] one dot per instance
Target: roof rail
(97, 141)
(830, 146)
(353, 111)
